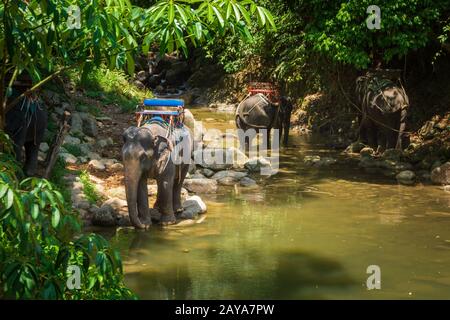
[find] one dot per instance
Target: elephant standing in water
(384, 111)
(258, 112)
(158, 151)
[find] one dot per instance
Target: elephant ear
(163, 148)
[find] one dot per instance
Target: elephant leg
(372, 136)
(31, 158)
(165, 200)
(402, 140)
(363, 134)
(178, 184)
(142, 201)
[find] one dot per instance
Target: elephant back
(381, 93)
(254, 111)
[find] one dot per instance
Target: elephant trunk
(132, 177)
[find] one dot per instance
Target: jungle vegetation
(39, 233)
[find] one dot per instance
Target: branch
(9, 106)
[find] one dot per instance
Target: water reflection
(304, 233)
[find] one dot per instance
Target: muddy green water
(303, 234)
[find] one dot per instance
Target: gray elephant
(25, 124)
(158, 151)
(258, 112)
(384, 108)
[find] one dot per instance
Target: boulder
(43, 147)
(68, 158)
(257, 164)
(117, 192)
(318, 161)
(200, 185)
(392, 154)
(207, 172)
(116, 167)
(106, 216)
(76, 123)
(220, 159)
(228, 181)
(406, 177)
(193, 206)
(71, 140)
(93, 156)
(105, 142)
(89, 125)
(247, 182)
(441, 174)
(229, 173)
(196, 175)
(97, 165)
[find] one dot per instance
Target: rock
(220, 159)
(257, 164)
(116, 167)
(83, 159)
(366, 152)
(392, 154)
(97, 165)
(71, 140)
(406, 177)
(355, 147)
(318, 161)
(441, 174)
(117, 192)
(93, 156)
(84, 149)
(200, 185)
(89, 125)
(247, 182)
(311, 160)
(68, 158)
(196, 175)
(106, 216)
(193, 206)
(116, 203)
(227, 181)
(76, 123)
(229, 173)
(436, 164)
(207, 172)
(108, 162)
(105, 142)
(43, 147)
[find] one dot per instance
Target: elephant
(384, 110)
(159, 151)
(258, 112)
(25, 124)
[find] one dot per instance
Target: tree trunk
(52, 155)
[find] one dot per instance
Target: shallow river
(305, 233)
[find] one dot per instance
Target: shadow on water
(291, 274)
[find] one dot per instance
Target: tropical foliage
(40, 239)
(46, 37)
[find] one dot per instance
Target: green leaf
(219, 16)
(3, 190)
(9, 199)
(34, 210)
(56, 215)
